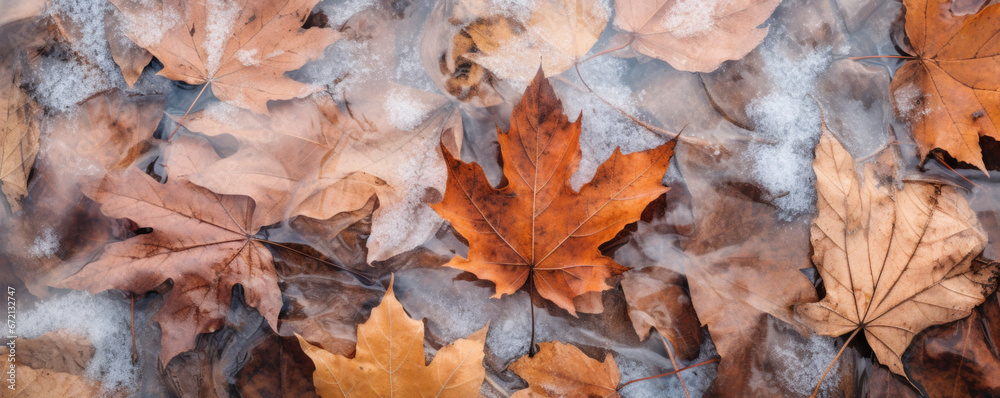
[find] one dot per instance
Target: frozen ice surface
(690, 17)
(405, 112)
(44, 245)
(604, 127)
(802, 365)
(338, 12)
(101, 319)
(790, 117)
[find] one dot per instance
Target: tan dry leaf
(241, 49)
(556, 33)
(893, 262)
(656, 299)
(311, 159)
(390, 360)
(19, 133)
(562, 370)
(202, 241)
(694, 35)
(129, 57)
(33, 383)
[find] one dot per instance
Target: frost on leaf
(536, 226)
(390, 360)
(893, 261)
(242, 50)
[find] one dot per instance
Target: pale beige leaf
(893, 261)
(390, 360)
(562, 370)
(694, 35)
(18, 138)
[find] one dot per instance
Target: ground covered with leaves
(531, 198)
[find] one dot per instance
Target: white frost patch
(605, 128)
(150, 23)
(45, 245)
(248, 57)
(338, 12)
(221, 19)
(801, 366)
(690, 17)
(102, 320)
(405, 112)
(788, 115)
(519, 10)
(908, 103)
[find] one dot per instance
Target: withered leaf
(202, 241)
(242, 49)
(694, 36)
(562, 370)
(893, 261)
(657, 299)
(390, 360)
(19, 131)
(950, 93)
(536, 226)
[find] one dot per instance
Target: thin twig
(816, 391)
(673, 361)
(881, 56)
(669, 373)
(203, 87)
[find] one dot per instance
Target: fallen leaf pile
(531, 198)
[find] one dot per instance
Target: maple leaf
(390, 360)
(536, 226)
(202, 241)
(19, 133)
(950, 94)
(893, 261)
(694, 36)
(293, 162)
(241, 50)
(562, 370)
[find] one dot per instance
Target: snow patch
(604, 127)
(338, 12)
(405, 112)
(248, 57)
(45, 245)
(790, 117)
(102, 320)
(802, 365)
(908, 101)
(221, 18)
(690, 17)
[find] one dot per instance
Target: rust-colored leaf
(535, 225)
(390, 360)
(202, 241)
(242, 49)
(562, 370)
(893, 261)
(694, 36)
(950, 94)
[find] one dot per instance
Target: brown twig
(669, 373)
(673, 361)
(203, 87)
(816, 391)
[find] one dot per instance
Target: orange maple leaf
(951, 93)
(535, 225)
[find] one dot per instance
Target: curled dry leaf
(536, 226)
(562, 370)
(483, 45)
(18, 137)
(390, 360)
(310, 159)
(202, 241)
(694, 36)
(893, 261)
(657, 299)
(950, 93)
(241, 49)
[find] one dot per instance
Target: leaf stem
(816, 391)
(203, 87)
(669, 373)
(881, 56)
(673, 361)
(531, 305)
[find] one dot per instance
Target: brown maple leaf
(656, 299)
(535, 225)
(694, 36)
(19, 122)
(950, 93)
(241, 49)
(562, 370)
(390, 360)
(202, 241)
(893, 261)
